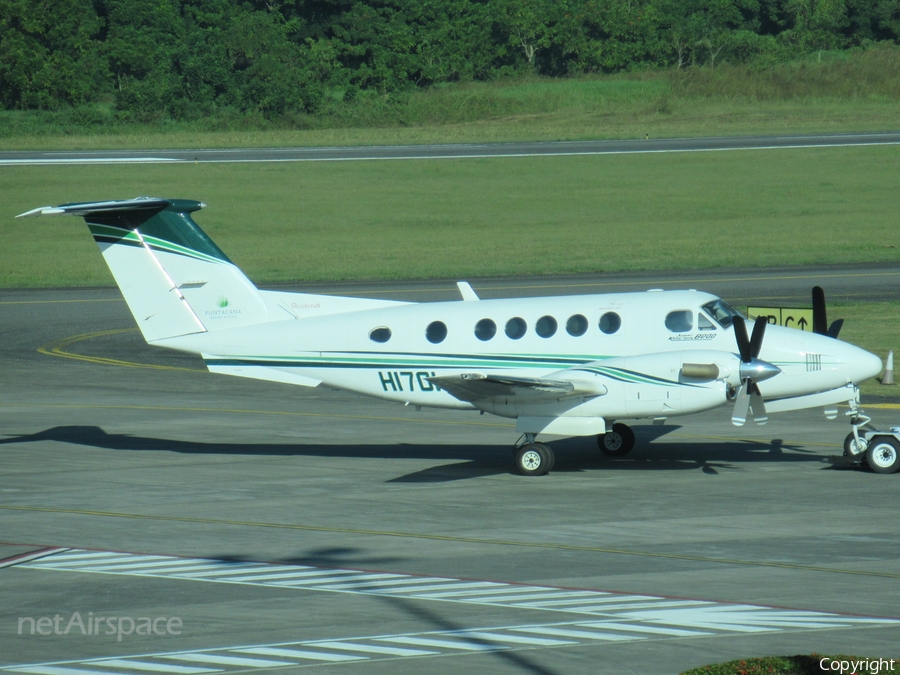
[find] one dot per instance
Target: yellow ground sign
(792, 317)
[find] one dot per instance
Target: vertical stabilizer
(175, 280)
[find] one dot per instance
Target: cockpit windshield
(722, 312)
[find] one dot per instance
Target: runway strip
(460, 151)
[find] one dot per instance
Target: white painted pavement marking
(454, 584)
(748, 618)
(444, 644)
(56, 670)
(77, 554)
(90, 564)
(492, 591)
(282, 575)
(319, 580)
(546, 593)
(638, 628)
(101, 160)
(300, 654)
(227, 660)
(156, 667)
(424, 644)
(583, 598)
(377, 585)
(229, 570)
(582, 634)
(371, 649)
(186, 568)
(302, 575)
(516, 639)
(640, 605)
(118, 567)
(626, 609)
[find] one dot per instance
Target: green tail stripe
(130, 238)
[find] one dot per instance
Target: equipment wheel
(618, 442)
(883, 455)
(854, 448)
(534, 459)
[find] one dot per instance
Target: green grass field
(483, 217)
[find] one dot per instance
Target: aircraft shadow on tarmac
(469, 461)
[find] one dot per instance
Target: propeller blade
(759, 330)
(820, 318)
(743, 342)
(741, 405)
(835, 328)
(757, 405)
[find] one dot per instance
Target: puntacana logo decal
(222, 301)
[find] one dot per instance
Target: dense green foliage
(152, 60)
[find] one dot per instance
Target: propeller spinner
(753, 370)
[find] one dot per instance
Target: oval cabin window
(577, 325)
(546, 326)
(436, 332)
(515, 328)
(485, 330)
(610, 323)
(380, 334)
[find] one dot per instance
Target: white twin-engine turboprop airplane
(561, 366)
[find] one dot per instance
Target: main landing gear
(617, 442)
(536, 459)
(533, 459)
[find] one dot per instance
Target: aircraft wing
(471, 387)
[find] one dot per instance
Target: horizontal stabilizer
(109, 206)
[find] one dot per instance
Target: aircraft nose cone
(865, 365)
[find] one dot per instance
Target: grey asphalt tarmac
(714, 542)
(308, 154)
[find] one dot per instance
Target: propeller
(820, 316)
(753, 370)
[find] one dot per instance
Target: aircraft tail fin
(175, 280)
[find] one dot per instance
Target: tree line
(186, 59)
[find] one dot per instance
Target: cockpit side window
(703, 323)
(721, 312)
(680, 321)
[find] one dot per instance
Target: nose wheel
(617, 442)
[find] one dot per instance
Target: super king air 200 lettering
(563, 366)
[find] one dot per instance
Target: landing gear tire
(853, 447)
(534, 459)
(618, 442)
(883, 455)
